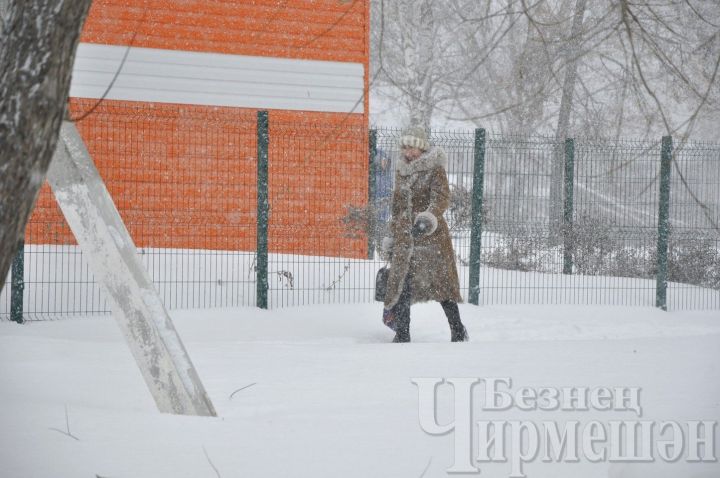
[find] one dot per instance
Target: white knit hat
(415, 137)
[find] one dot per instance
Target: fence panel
(519, 263)
(694, 239)
(615, 222)
(183, 181)
(319, 223)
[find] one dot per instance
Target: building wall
(334, 30)
(175, 139)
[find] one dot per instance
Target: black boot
(402, 322)
(458, 333)
(401, 312)
(401, 336)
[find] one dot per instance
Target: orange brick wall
(185, 177)
(303, 29)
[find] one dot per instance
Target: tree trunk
(4, 7)
(422, 105)
(556, 187)
(39, 40)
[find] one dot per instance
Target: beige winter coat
(421, 188)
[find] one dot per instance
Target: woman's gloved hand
(425, 224)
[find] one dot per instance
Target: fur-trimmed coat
(421, 189)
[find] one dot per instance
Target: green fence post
(568, 206)
(476, 224)
(17, 285)
(663, 223)
(372, 151)
(263, 140)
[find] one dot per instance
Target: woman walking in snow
(422, 261)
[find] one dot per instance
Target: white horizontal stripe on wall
(215, 79)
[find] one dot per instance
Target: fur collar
(429, 160)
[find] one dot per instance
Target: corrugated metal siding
(195, 78)
(304, 29)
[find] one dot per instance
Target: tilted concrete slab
(136, 306)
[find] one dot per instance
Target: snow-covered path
(328, 396)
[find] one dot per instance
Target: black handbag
(381, 280)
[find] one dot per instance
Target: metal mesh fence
(516, 256)
(613, 236)
(615, 222)
(614, 211)
(694, 239)
(317, 235)
(185, 182)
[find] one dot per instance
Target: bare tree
(414, 50)
(571, 53)
(39, 40)
(4, 6)
(563, 123)
(640, 68)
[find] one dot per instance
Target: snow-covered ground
(327, 395)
